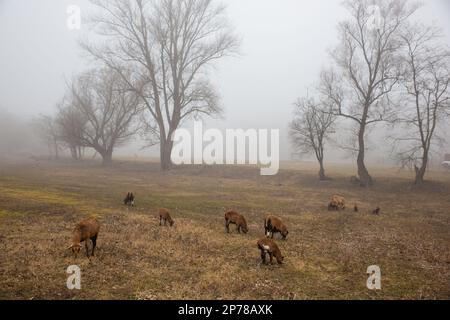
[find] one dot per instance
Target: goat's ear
(70, 247)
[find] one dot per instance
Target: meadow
(326, 253)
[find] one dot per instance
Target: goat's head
(75, 248)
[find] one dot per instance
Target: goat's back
(88, 228)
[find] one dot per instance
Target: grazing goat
(273, 225)
(269, 246)
(164, 215)
(129, 199)
(376, 211)
(85, 230)
(337, 203)
(232, 217)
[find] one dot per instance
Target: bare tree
(427, 84)
(47, 130)
(366, 64)
(71, 126)
(109, 109)
(162, 49)
(311, 128)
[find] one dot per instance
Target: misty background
(284, 46)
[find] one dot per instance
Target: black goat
(129, 199)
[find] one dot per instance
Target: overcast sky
(284, 47)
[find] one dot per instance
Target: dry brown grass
(326, 253)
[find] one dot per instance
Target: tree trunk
(107, 157)
(420, 172)
(55, 146)
(73, 153)
(322, 175)
(165, 154)
(50, 151)
(364, 176)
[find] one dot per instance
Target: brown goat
(273, 225)
(129, 199)
(85, 230)
(164, 215)
(269, 246)
(232, 217)
(337, 203)
(376, 211)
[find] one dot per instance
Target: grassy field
(326, 253)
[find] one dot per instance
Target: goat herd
(88, 229)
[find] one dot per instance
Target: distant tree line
(390, 70)
(154, 58)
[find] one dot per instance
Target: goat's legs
(263, 256)
(87, 247)
(94, 243)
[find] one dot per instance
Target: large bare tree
(366, 67)
(163, 51)
(311, 129)
(109, 108)
(427, 84)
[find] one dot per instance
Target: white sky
(284, 47)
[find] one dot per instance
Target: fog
(285, 45)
